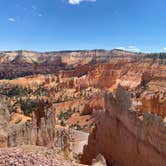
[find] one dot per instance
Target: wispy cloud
(11, 19)
(130, 48)
(76, 2)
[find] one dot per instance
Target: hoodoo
(125, 137)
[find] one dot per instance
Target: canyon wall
(38, 131)
(81, 89)
(155, 103)
(17, 130)
(24, 63)
(125, 138)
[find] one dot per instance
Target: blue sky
(45, 25)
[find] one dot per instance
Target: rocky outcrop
(17, 129)
(99, 161)
(4, 114)
(125, 138)
(69, 86)
(155, 103)
(38, 131)
(4, 120)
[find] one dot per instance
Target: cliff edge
(125, 138)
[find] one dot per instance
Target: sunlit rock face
(39, 130)
(79, 80)
(4, 120)
(17, 129)
(155, 103)
(44, 90)
(23, 63)
(125, 138)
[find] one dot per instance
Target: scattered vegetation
(15, 91)
(76, 126)
(156, 55)
(65, 115)
(41, 92)
(77, 156)
(19, 74)
(28, 105)
(62, 123)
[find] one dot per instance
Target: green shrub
(28, 106)
(65, 115)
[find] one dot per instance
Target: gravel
(30, 156)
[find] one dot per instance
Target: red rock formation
(75, 86)
(74, 82)
(4, 120)
(39, 131)
(154, 103)
(22, 63)
(124, 138)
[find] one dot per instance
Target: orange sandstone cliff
(40, 91)
(125, 138)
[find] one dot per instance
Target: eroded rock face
(125, 138)
(22, 63)
(78, 87)
(74, 84)
(4, 120)
(17, 129)
(155, 103)
(38, 131)
(4, 115)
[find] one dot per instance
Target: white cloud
(11, 19)
(120, 48)
(76, 2)
(164, 48)
(130, 48)
(133, 49)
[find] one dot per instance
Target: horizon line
(78, 50)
